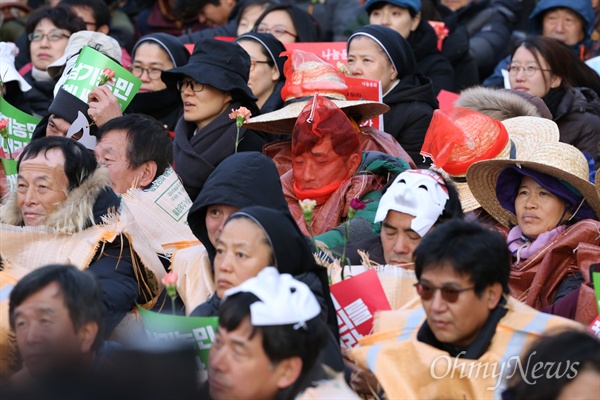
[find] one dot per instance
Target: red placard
(594, 327)
(365, 89)
(356, 300)
(331, 52)
(446, 99)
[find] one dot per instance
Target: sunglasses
(426, 292)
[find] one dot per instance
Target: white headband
(283, 299)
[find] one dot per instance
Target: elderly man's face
(320, 166)
(459, 322)
(563, 24)
(41, 186)
(238, 367)
(46, 337)
(111, 151)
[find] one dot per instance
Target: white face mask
(420, 193)
(63, 78)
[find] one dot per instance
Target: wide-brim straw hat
(282, 121)
(559, 160)
(306, 74)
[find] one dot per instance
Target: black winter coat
(196, 156)
(40, 96)
(411, 103)
(241, 180)
(489, 24)
(431, 62)
(578, 118)
(113, 266)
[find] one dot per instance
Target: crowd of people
(242, 183)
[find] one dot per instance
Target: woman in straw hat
(552, 210)
(380, 53)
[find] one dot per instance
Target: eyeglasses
(277, 31)
(426, 291)
(254, 62)
(153, 73)
(53, 36)
(195, 86)
(529, 70)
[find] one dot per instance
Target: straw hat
(559, 160)
(306, 74)
(460, 137)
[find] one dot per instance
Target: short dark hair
(98, 7)
(281, 341)
(81, 292)
(80, 162)
(570, 351)
(147, 140)
(62, 16)
(470, 249)
(452, 208)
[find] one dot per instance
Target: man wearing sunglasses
(468, 334)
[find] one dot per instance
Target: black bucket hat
(222, 65)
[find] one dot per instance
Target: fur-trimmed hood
(502, 104)
(85, 205)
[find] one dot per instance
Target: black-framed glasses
(277, 31)
(195, 86)
(53, 36)
(426, 291)
(138, 71)
(529, 70)
(254, 62)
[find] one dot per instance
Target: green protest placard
(198, 330)
(10, 170)
(596, 280)
(20, 127)
(87, 72)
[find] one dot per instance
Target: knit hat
(74, 111)
(176, 51)
(274, 48)
(413, 5)
(393, 45)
